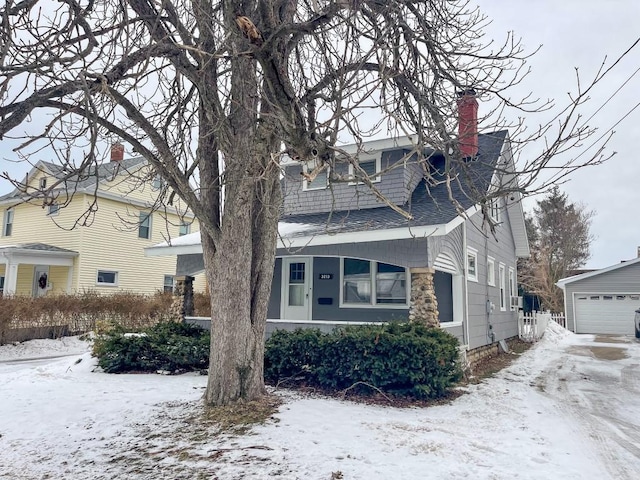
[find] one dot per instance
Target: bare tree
(213, 93)
(559, 239)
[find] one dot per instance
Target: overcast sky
(573, 33)
(581, 33)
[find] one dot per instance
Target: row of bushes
(397, 359)
(84, 311)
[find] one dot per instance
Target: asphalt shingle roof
(428, 205)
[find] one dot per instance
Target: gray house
(345, 256)
(603, 301)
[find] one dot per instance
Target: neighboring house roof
(576, 278)
(78, 183)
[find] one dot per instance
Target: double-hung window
(144, 225)
(7, 224)
(512, 287)
(491, 272)
(318, 182)
(503, 287)
(168, 284)
(367, 283)
(370, 166)
(185, 229)
(472, 264)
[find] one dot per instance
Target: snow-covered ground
(561, 411)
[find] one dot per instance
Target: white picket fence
(531, 326)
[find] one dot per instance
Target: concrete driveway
(598, 383)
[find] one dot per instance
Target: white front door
(296, 288)
(40, 278)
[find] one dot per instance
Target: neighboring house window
(371, 166)
(373, 283)
(43, 183)
(494, 209)
(7, 224)
(53, 209)
(503, 287)
(144, 225)
(1, 286)
(491, 272)
(512, 287)
(320, 182)
(156, 183)
(107, 277)
(168, 284)
(185, 229)
(472, 264)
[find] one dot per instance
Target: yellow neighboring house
(44, 249)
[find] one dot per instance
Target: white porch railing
(531, 326)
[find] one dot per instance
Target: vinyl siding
(58, 279)
(502, 248)
(111, 245)
(622, 280)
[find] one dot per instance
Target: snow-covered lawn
(560, 411)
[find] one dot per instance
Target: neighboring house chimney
(468, 123)
(117, 152)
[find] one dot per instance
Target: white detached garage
(603, 301)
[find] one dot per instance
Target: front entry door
(296, 288)
(40, 278)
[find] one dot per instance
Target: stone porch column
(182, 305)
(424, 305)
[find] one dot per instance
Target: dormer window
(43, 183)
(371, 167)
(319, 182)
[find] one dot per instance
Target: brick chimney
(117, 152)
(468, 123)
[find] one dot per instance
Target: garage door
(607, 313)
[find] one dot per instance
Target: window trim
(494, 210)
(187, 228)
(107, 284)
(503, 287)
(472, 252)
(373, 303)
(491, 271)
(305, 182)
(165, 284)
(369, 158)
(55, 212)
(7, 222)
(148, 216)
(512, 287)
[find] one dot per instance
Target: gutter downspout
(465, 330)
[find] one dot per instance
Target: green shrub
(166, 346)
(398, 358)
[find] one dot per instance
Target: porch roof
(36, 253)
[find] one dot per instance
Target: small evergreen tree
(559, 239)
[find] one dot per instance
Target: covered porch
(35, 269)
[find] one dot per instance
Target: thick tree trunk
(240, 272)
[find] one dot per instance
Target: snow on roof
(191, 243)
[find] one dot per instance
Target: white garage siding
(605, 313)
